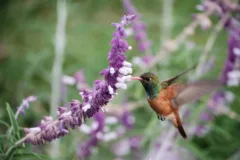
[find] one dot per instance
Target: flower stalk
(115, 76)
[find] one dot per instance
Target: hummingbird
(166, 97)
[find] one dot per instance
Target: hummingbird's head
(150, 83)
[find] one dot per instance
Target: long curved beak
(136, 78)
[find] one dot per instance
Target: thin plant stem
(60, 43)
(164, 52)
(210, 43)
(167, 22)
(166, 25)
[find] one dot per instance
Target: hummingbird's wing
(170, 81)
(193, 91)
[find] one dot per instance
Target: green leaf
(4, 123)
(13, 121)
(194, 149)
(148, 132)
(10, 153)
(29, 155)
(3, 136)
(1, 147)
(222, 132)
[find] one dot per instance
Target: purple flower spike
(231, 71)
(115, 76)
(24, 105)
(139, 29)
(230, 75)
(85, 150)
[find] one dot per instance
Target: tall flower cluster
(230, 75)
(84, 149)
(115, 76)
(231, 71)
(104, 128)
(139, 29)
(140, 35)
(128, 145)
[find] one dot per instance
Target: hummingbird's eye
(148, 79)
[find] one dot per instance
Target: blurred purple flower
(201, 130)
(24, 105)
(85, 149)
(127, 119)
(203, 20)
(206, 116)
(231, 71)
(80, 80)
(207, 66)
(128, 145)
(143, 61)
(139, 30)
(210, 6)
(77, 79)
(135, 142)
(115, 76)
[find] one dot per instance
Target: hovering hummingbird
(166, 97)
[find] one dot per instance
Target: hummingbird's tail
(179, 126)
(181, 131)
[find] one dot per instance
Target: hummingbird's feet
(161, 118)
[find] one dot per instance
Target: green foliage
(30, 155)
(8, 148)
(14, 124)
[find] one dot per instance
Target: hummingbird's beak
(136, 78)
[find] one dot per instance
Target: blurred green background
(27, 32)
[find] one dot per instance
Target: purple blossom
(105, 134)
(201, 130)
(127, 145)
(77, 79)
(207, 66)
(139, 30)
(115, 76)
(140, 35)
(203, 20)
(80, 80)
(24, 105)
(127, 119)
(135, 142)
(231, 71)
(230, 75)
(85, 149)
(206, 116)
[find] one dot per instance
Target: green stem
(60, 43)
